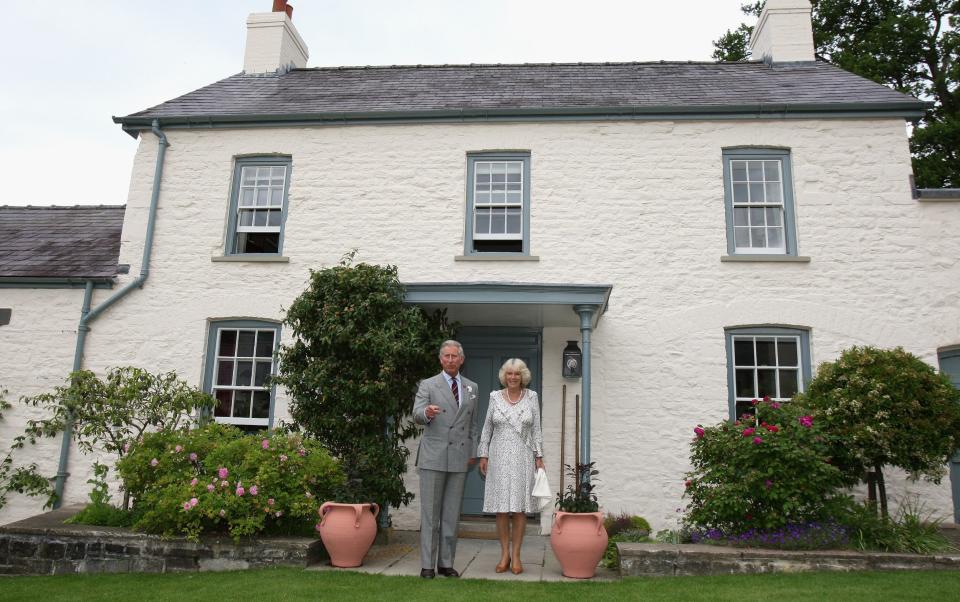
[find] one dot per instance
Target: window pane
(774, 216)
(787, 352)
(228, 342)
(280, 172)
(756, 192)
(744, 383)
(757, 238)
(483, 198)
(246, 197)
(741, 237)
(766, 383)
(756, 217)
(498, 221)
(241, 404)
(773, 192)
(755, 171)
(740, 193)
(225, 372)
(261, 374)
(514, 198)
(513, 221)
(245, 348)
(745, 408)
(775, 238)
(766, 353)
(263, 197)
(788, 383)
(244, 373)
(248, 176)
(483, 222)
(259, 242)
(771, 170)
(740, 217)
(265, 343)
(261, 218)
(274, 218)
(739, 169)
(483, 168)
(743, 352)
(224, 401)
(261, 404)
(276, 197)
(246, 217)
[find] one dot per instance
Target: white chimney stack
(273, 44)
(784, 32)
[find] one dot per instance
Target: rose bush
(762, 472)
(217, 479)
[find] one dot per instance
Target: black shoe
(447, 572)
(427, 573)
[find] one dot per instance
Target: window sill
(251, 259)
(495, 257)
(765, 258)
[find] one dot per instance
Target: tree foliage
(352, 371)
(908, 45)
(25, 480)
(886, 407)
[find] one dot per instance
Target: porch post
(586, 327)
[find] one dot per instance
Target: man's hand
(483, 466)
(471, 461)
(431, 411)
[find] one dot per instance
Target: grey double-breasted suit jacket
(450, 439)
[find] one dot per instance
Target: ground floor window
(765, 362)
(240, 362)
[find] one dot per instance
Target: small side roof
(54, 242)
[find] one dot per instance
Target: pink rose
(240, 491)
(265, 444)
(748, 431)
(757, 440)
(775, 405)
(699, 432)
(178, 449)
(768, 483)
(193, 482)
(186, 505)
(210, 487)
(154, 462)
(193, 457)
(773, 428)
(806, 421)
(194, 501)
(302, 451)
(253, 490)
(270, 501)
(279, 513)
(283, 457)
(223, 473)
(224, 483)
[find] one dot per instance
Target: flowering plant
(580, 495)
(762, 472)
(217, 479)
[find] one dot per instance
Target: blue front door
(486, 349)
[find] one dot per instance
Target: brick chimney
(784, 33)
(273, 44)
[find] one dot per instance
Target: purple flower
(193, 457)
(253, 490)
(757, 440)
(699, 432)
(154, 462)
(240, 491)
(223, 472)
(265, 444)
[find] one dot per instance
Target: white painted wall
(637, 205)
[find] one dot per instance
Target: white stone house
(707, 232)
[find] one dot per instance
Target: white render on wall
(637, 205)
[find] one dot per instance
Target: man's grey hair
(451, 343)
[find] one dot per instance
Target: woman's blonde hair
(516, 365)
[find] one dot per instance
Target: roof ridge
(547, 64)
(63, 206)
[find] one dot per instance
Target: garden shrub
(217, 479)
(100, 511)
(911, 530)
(762, 472)
(25, 480)
(623, 528)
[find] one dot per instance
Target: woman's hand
(483, 466)
(540, 463)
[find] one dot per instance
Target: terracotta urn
(347, 531)
(578, 540)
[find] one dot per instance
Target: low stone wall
(45, 546)
(683, 560)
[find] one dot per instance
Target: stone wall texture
(635, 205)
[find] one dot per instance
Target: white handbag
(541, 489)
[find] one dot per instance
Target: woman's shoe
(517, 568)
(502, 567)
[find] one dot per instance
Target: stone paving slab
(476, 559)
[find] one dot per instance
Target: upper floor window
(258, 205)
(758, 192)
(498, 203)
(765, 362)
(240, 361)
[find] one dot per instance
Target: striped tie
(456, 390)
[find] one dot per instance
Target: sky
(70, 65)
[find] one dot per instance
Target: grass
(295, 584)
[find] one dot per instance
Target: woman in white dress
(510, 451)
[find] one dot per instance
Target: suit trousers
(441, 495)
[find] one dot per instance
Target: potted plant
(578, 538)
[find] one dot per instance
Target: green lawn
(295, 584)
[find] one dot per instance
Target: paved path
(476, 559)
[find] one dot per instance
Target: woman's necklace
(510, 398)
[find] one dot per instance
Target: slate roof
(60, 242)
(473, 90)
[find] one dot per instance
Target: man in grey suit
(446, 404)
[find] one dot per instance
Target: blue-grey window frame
(213, 328)
(238, 164)
(805, 367)
(789, 211)
(472, 158)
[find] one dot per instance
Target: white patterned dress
(511, 441)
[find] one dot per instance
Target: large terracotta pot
(347, 531)
(578, 540)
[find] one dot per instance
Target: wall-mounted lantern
(572, 360)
